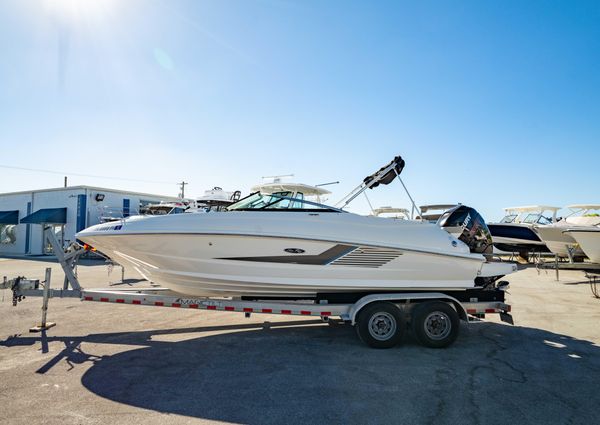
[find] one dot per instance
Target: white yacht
(514, 233)
(269, 244)
(562, 243)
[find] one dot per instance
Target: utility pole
(182, 194)
(65, 181)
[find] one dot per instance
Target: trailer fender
(404, 298)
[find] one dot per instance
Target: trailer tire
(435, 324)
(380, 325)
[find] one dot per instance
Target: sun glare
(75, 10)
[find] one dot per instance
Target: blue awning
(9, 217)
(47, 215)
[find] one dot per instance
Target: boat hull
(209, 265)
(516, 238)
(589, 241)
(559, 242)
(290, 254)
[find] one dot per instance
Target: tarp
(47, 215)
(9, 217)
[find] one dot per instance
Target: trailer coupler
(18, 286)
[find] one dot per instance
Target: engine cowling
(467, 225)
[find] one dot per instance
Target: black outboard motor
(466, 224)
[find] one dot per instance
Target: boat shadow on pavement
(304, 372)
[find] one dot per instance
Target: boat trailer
(471, 311)
(591, 271)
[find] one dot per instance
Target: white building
(68, 209)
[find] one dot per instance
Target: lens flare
(75, 10)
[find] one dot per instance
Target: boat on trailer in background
(515, 232)
(561, 242)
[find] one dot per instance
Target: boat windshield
(510, 218)
(279, 202)
(536, 219)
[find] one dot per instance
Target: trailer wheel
(380, 325)
(435, 324)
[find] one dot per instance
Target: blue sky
(491, 103)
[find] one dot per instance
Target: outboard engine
(467, 225)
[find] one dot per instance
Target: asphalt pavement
(123, 364)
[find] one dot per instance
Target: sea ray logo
(295, 250)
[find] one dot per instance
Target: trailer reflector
(120, 300)
(229, 308)
(211, 307)
(267, 310)
(286, 311)
(88, 299)
(248, 310)
(159, 303)
(305, 313)
(175, 305)
(104, 300)
(326, 313)
(193, 306)
(136, 302)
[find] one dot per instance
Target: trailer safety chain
(16, 298)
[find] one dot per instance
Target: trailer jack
(22, 287)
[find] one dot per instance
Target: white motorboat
(216, 199)
(514, 233)
(274, 245)
(588, 239)
(164, 208)
(432, 213)
(562, 243)
(392, 212)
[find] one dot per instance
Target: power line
(39, 170)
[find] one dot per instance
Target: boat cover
(9, 217)
(387, 178)
(47, 215)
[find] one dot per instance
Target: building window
(59, 233)
(8, 234)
